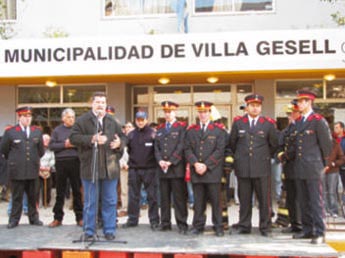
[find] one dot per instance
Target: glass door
(183, 113)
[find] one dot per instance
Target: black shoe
(109, 236)
(183, 231)
(12, 225)
(129, 225)
(317, 240)
(243, 231)
(36, 223)
(219, 232)
(154, 226)
(265, 233)
(291, 230)
(164, 228)
(302, 235)
(195, 231)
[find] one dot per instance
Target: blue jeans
(109, 201)
(143, 196)
(276, 179)
(25, 205)
(330, 182)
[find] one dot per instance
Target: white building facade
(218, 50)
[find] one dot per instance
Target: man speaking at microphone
(100, 141)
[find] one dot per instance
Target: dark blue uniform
(142, 170)
(313, 145)
(287, 149)
(169, 146)
(253, 149)
(206, 147)
(23, 158)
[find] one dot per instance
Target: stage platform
(142, 239)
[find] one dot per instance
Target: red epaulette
(179, 123)
(193, 126)
(271, 120)
(220, 126)
(315, 116)
(34, 127)
(161, 126)
(236, 118)
(183, 124)
(8, 127)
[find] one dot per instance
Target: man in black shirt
(142, 170)
(67, 167)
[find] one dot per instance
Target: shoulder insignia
(236, 118)
(10, 127)
(315, 117)
(194, 127)
(34, 127)
(162, 125)
(220, 126)
(271, 120)
(181, 123)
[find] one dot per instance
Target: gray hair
(66, 111)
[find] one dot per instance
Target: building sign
(175, 53)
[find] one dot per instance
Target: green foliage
(337, 17)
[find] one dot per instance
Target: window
(8, 10)
(214, 93)
(331, 107)
(216, 6)
(178, 94)
(138, 7)
(287, 89)
(118, 8)
(70, 94)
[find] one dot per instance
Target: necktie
(168, 126)
(303, 119)
(252, 125)
(26, 132)
(202, 129)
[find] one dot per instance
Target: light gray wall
(266, 89)
(7, 106)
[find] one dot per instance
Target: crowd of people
(98, 156)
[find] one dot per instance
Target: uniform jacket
(287, 147)
(169, 147)
(141, 148)
(208, 148)
(313, 146)
(81, 135)
(23, 154)
(253, 149)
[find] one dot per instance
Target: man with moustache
(253, 140)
